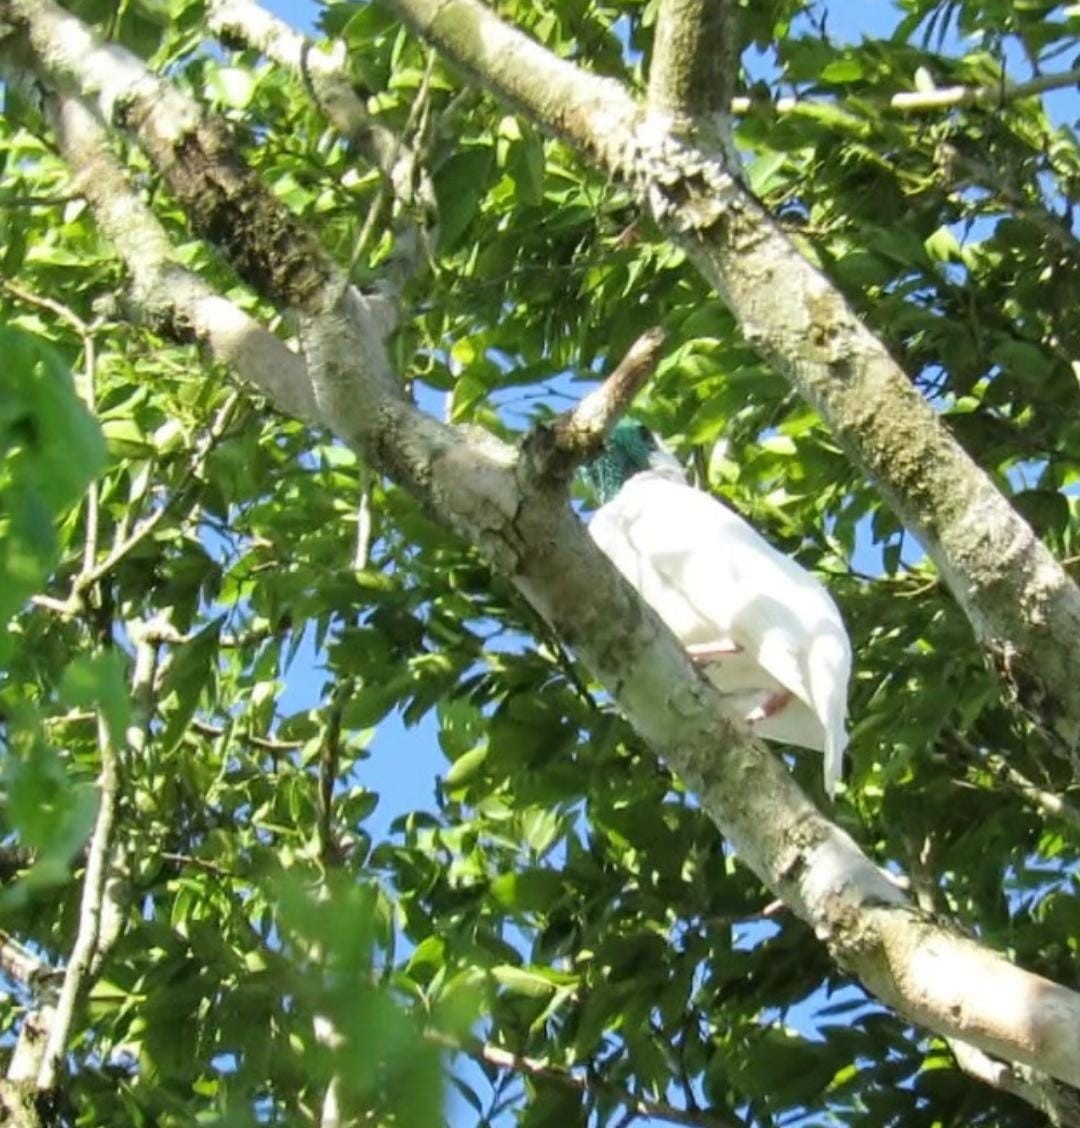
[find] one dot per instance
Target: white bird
(767, 632)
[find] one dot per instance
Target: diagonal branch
(324, 69)
(555, 450)
(179, 300)
(90, 913)
(661, 1111)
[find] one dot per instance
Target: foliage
(562, 896)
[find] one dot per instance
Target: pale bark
(694, 61)
(488, 493)
(323, 68)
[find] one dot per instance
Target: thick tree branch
(168, 294)
(480, 488)
(695, 59)
(1024, 608)
(1059, 1103)
(19, 963)
(267, 245)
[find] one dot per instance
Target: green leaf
(466, 767)
(460, 185)
(98, 682)
(188, 675)
(233, 86)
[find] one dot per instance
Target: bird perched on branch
(767, 633)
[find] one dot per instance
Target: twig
(30, 200)
(400, 177)
(1049, 802)
(89, 576)
(267, 743)
(196, 863)
(534, 1067)
(942, 98)
(329, 762)
(556, 449)
(1060, 1105)
(86, 939)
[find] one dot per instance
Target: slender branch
(32, 201)
(203, 864)
(1059, 1104)
(90, 910)
(557, 449)
(946, 97)
(1048, 802)
(941, 98)
(91, 573)
(324, 70)
(364, 523)
(501, 1058)
(958, 169)
(266, 743)
(329, 764)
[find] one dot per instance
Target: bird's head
(630, 449)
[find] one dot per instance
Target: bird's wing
(726, 571)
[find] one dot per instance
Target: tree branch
(929, 101)
(1048, 802)
(178, 299)
(1058, 1103)
(554, 450)
(323, 69)
(695, 59)
(90, 909)
(501, 1058)
(20, 963)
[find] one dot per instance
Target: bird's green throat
(629, 450)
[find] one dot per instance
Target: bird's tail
(829, 667)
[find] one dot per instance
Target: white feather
(715, 581)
